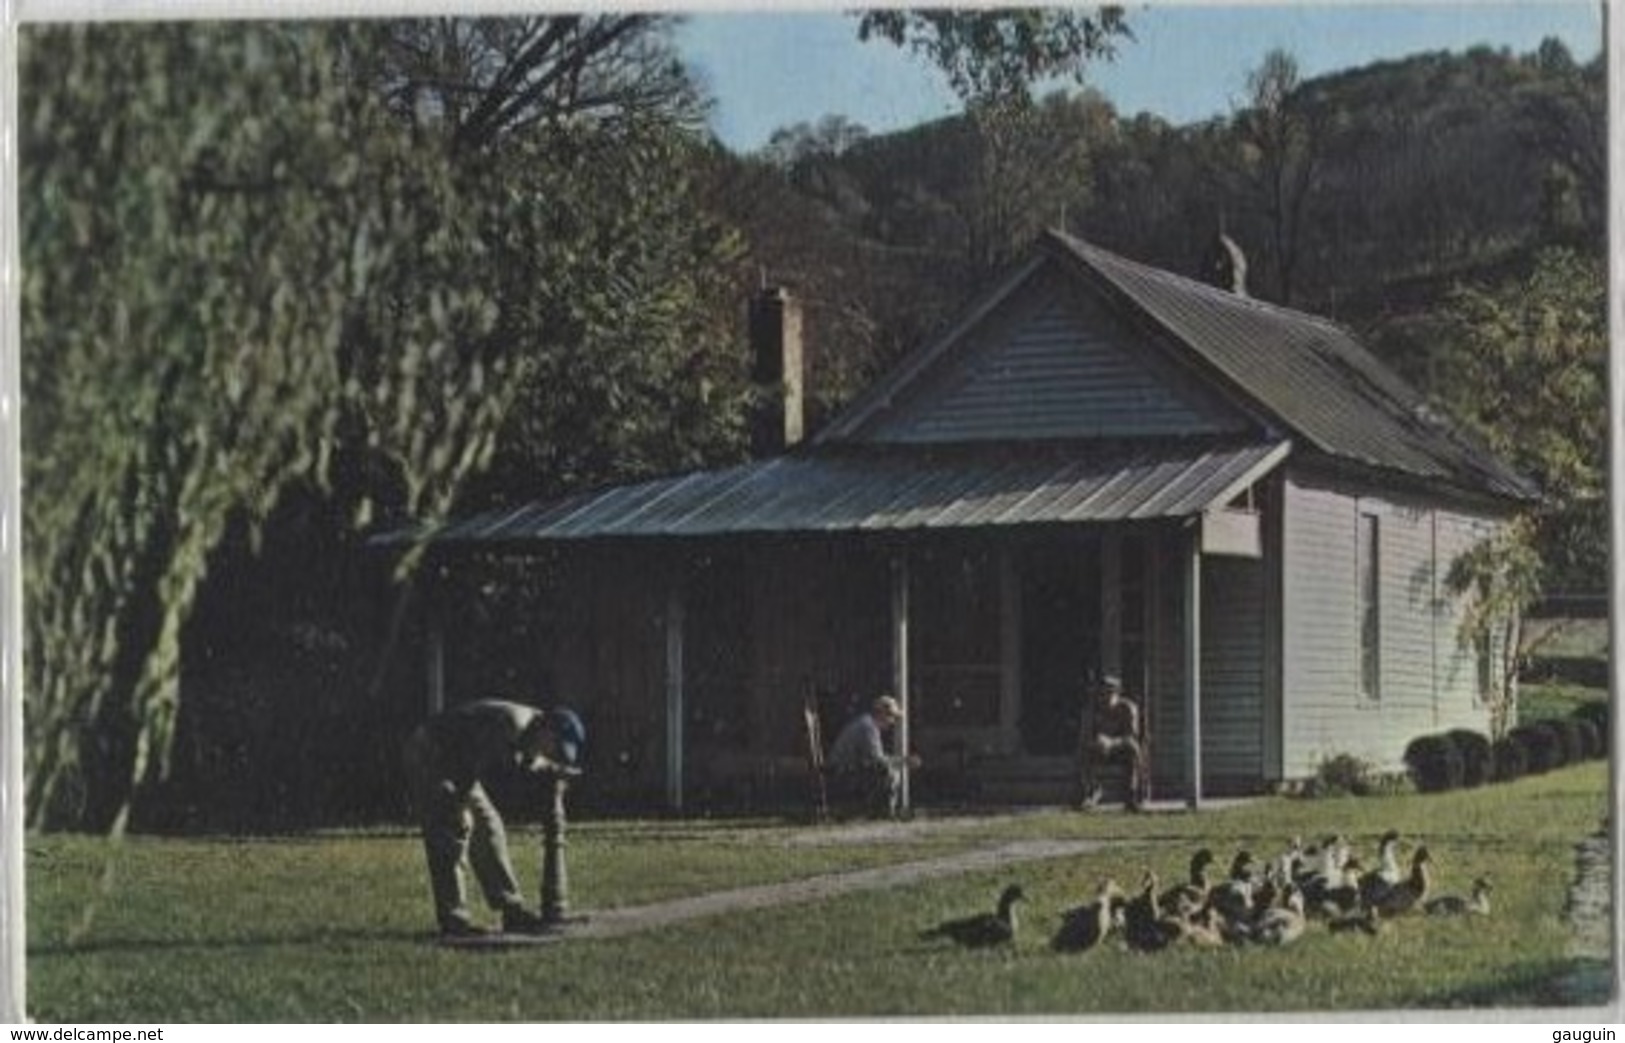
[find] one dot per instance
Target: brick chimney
(778, 370)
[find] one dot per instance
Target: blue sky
(770, 69)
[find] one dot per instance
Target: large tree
(1024, 163)
(1277, 142)
(1525, 362)
(1001, 53)
(247, 273)
(214, 218)
(485, 79)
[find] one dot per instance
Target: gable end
(1051, 363)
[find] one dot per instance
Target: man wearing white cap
(1112, 734)
(863, 773)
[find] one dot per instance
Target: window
(1484, 654)
(1366, 565)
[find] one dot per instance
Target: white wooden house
(1100, 467)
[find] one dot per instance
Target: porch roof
(855, 490)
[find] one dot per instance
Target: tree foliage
(1022, 164)
(803, 143)
(247, 273)
(483, 79)
(1000, 54)
(1525, 363)
(1497, 580)
(187, 271)
(1277, 142)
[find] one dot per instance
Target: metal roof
(877, 490)
(1312, 374)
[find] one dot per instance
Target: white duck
(1281, 924)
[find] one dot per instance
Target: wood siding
(1232, 673)
(1460, 703)
(1421, 670)
(1055, 367)
(608, 660)
(1167, 668)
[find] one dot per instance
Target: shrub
(1570, 745)
(1511, 763)
(1343, 775)
(1596, 711)
(1477, 760)
(1434, 762)
(1540, 748)
(1591, 739)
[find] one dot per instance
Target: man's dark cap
(572, 734)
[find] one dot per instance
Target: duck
(1410, 893)
(1364, 921)
(1289, 863)
(1146, 928)
(1205, 930)
(1333, 857)
(1281, 924)
(1387, 875)
(1185, 899)
(1142, 917)
(1271, 890)
(1456, 905)
(1340, 897)
(1233, 897)
(1388, 858)
(984, 929)
(1087, 926)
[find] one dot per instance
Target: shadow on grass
(1552, 983)
(157, 945)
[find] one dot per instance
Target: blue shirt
(859, 747)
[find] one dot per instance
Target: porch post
(434, 661)
(1111, 606)
(1009, 651)
(673, 626)
(899, 656)
(1193, 668)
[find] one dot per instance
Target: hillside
(1367, 196)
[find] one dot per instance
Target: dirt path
(613, 923)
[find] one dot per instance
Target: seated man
(1112, 735)
(862, 774)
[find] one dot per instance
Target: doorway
(1060, 641)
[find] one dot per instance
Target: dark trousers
(875, 791)
(459, 824)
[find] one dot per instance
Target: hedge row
(1458, 758)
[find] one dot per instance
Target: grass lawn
(335, 928)
(1575, 638)
(1539, 702)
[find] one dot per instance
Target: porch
(692, 661)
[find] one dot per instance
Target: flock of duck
(1262, 903)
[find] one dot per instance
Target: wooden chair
(816, 768)
(1140, 781)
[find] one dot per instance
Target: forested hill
(1365, 195)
